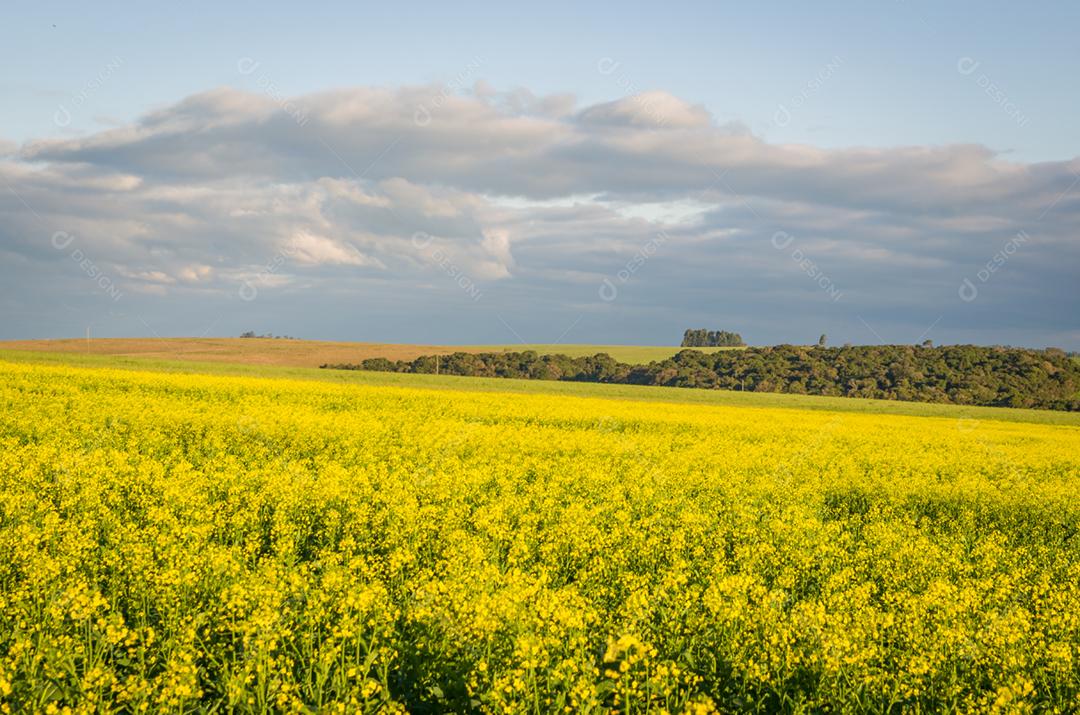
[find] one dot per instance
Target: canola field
(199, 543)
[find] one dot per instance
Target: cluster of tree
(711, 339)
(251, 334)
(960, 374)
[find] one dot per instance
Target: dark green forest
(959, 374)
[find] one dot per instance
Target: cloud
(311, 250)
(479, 143)
(647, 110)
(535, 197)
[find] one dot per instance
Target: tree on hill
(711, 338)
(960, 374)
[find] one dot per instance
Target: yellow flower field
(185, 542)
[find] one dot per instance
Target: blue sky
(899, 83)
(970, 94)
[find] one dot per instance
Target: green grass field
(641, 393)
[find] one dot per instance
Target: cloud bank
(365, 213)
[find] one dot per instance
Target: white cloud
(312, 250)
(648, 110)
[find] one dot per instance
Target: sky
(483, 173)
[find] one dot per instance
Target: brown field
(305, 353)
(253, 351)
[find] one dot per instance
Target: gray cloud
(536, 201)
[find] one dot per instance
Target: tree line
(253, 334)
(711, 339)
(959, 374)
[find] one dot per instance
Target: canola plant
(196, 543)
